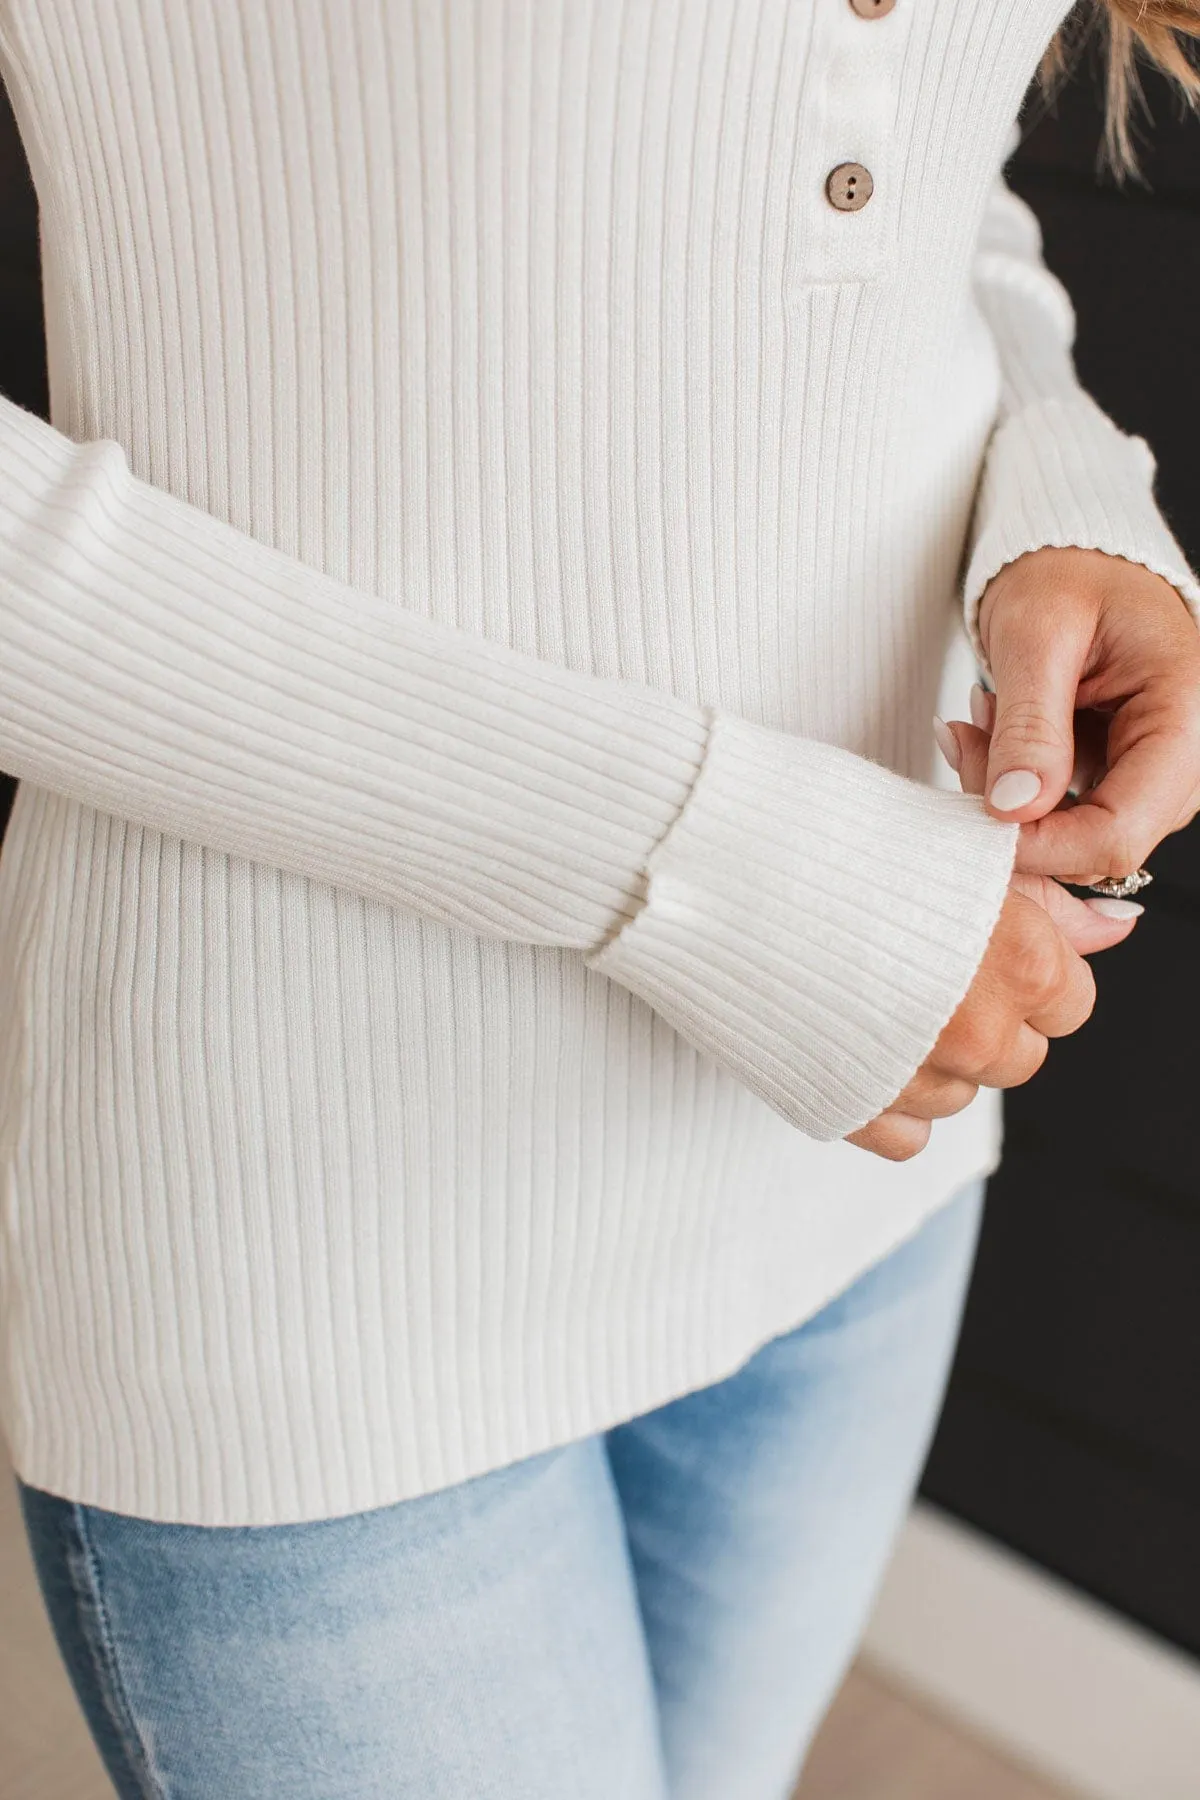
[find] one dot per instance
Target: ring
(1119, 887)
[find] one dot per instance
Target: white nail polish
(1114, 909)
(1015, 789)
(981, 707)
(947, 743)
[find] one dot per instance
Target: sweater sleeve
(806, 916)
(1057, 471)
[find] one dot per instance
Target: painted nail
(1114, 909)
(1015, 789)
(947, 743)
(983, 707)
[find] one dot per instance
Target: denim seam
(100, 1638)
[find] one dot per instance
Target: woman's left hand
(1096, 667)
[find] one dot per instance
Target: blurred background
(1072, 1427)
(1041, 1628)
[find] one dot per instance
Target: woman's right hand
(1031, 985)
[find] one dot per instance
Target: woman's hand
(1096, 667)
(1096, 716)
(1032, 984)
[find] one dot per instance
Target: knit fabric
(470, 634)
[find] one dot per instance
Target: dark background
(1071, 1430)
(1072, 1426)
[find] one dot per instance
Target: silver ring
(1119, 887)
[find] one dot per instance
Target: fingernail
(1015, 789)
(947, 743)
(982, 707)
(1115, 909)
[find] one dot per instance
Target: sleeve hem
(1059, 474)
(813, 920)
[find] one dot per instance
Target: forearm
(803, 915)
(1058, 472)
(164, 667)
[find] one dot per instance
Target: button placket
(846, 203)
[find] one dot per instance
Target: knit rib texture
(470, 634)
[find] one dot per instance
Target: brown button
(849, 186)
(872, 9)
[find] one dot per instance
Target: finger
(1152, 783)
(894, 1136)
(1036, 662)
(1026, 1056)
(1062, 1006)
(1088, 925)
(965, 748)
(1029, 977)
(934, 1094)
(1020, 1058)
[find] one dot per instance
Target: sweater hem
(40, 1471)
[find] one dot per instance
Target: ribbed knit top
(469, 639)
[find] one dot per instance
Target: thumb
(1036, 667)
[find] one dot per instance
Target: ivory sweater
(469, 638)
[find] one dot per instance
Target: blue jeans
(662, 1610)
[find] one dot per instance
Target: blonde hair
(1154, 29)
